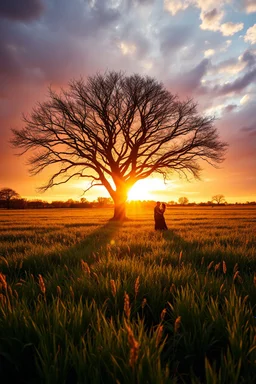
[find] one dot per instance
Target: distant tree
(7, 194)
(183, 200)
(115, 130)
(219, 199)
(104, 201)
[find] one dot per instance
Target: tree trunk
(120, 212)
(120, 205)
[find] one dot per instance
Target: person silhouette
(159, 216)
(162, 221)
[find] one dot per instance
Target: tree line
(10, 199)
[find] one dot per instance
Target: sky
(204, 49)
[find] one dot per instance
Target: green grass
(85, 300)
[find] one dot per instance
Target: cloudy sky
(205, 49)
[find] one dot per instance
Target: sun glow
(147, 189)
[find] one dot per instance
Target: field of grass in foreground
(84, 300)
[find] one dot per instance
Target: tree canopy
(7, 194)
(219, 199)
(114, 130)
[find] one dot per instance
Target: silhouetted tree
(115, 130)
(183, 200)
(7, 194)
(219, 199)
(104, 201)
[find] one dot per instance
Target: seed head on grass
(134, 347)
(58, 290)
(41, 284)
(180, 258)
(71, 291)
(3, 281)
(96, 278)
(127, 308)
(254, 279)
(237, 277)
(113, 287)
(85, 267)
(216, 268)
(177, 324)
(137, 286)
(210, 265)
(224, 267)
(163, 313)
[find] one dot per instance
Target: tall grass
(84, 300)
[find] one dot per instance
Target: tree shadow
(88, 249)
(194, 252)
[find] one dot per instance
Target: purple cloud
(25, 10)
(237, 85)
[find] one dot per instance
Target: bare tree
(183, 200)
(7, 194)
(114, 130)
(219, 199)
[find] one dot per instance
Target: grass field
(84, 300)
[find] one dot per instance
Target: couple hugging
(159, 216)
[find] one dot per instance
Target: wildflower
(177, 324)
(127, 308)
(134, 347)
(41, 284)
(224, 267)
(137, 286)
(113, 287)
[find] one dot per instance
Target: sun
(146, 189)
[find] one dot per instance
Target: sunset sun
(146, 189)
